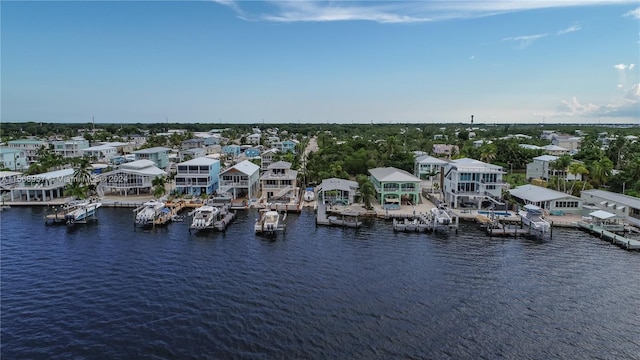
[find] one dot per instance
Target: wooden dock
(344, 219)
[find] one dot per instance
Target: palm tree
(560, 165)
(601, 171)
(487, 152)
(367, 191)
(76, 189)
(81, 173)
(158, 184)
(574, 169)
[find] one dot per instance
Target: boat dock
(222, 220)
(600, 230)
(344, 219)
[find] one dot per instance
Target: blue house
(159, 155)
(198, 176)
(232, 150)
(252, 152)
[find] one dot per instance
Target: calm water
(107, 290)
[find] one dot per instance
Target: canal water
(109, 290)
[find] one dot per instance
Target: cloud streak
(394, 11)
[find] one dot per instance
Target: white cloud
(570, 29)
(524, 41)
(472, 57)
(633, 13)
(392, 11)
(626, 106)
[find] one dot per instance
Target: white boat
(204, 217)
(268, 223)
(149, 211)
(441, 216)
(79, 212)
(406, 225)
(533, 217)
(309, 194)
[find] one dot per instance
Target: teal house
(394, 186)
(158, 155)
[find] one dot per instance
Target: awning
(601, 214)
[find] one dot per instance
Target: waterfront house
(13, 159)
(469, 182)
(70, 148)
(8, 181)
(159, 155)
(279, 181)
(198, 176)
(625, 206)
(133, 178)
(336, 190)
(241, 180)
(394, 185)
(554, 202)
(30, 148)
(42, 187)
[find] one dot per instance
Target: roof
(9, 173)
(152, 150)
(338, 184)
(392, 174)
(427, 159)
(27, 141)
(529, 146)
(554, 148)
(141, 167)
(54, 174)
(548, 158)
(99, 147)
(138, 164)
(630, 201)
(5, 150)
(203, 160)
(601, 214)
(535, 193)
(246, 167)
(473, 165)
(280, 165)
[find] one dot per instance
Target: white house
(242, 179)
(554, 202)
(469, 182)
(42, 187)
(131, 178)
(428, 168)
(266, 158)
(334, 189)
(622, 205)
(101, 152)
(279, 181)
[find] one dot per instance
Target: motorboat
(309, 194)
(533, 217)
(79, 212)
(441, 216)
(149, 211)
(268, 223)
(204, 217)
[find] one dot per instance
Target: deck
(620, 240)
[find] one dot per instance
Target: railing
(234, 183)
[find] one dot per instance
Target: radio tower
(471, 119)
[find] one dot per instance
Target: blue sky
(321, 62)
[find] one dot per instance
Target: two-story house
(241, 180)
(101, 152)
(159, 155)
(469, 182)
(30, 148)
(267, 158)
(198, 176)
(393, 186)
(42, 187)
(279, 181)
(13, 159)
(428, 168)
(133, 178)
(70, 148)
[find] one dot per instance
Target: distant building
(193, 153)
(195, 143)
(267, 158)
(568, 142)
(101, 152)
(555, 150)
(13, 159)
(158, 155)
(198, 176)
(30, 148)
(445, 150)
(70, 148)
(428, 168)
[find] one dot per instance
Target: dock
(342, 219)
(614, 237)
(222, 220)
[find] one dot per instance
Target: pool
(499, 213)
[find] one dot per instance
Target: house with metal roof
(30, 147)
(279, 181)
(41, 187)
(13, 159)
(554, 202)
(198, 176)
(240, 180)
(334, 190)
(428, 167)
(394, 185)
(470, 182)
(625, 206)
(159, 155)
(133, 178)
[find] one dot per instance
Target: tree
(601, 171)
(158, 184)
(487, 152)
(368, 192)
(574, 169)
(560, 165)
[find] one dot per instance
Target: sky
(302, 61)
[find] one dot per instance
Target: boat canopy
(531, 207)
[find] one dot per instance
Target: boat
(533, 217)
(309, 194)
(408, 225)
(441, 216)
(149, 211)
(79, 212)
(204, 217)
(269, 222)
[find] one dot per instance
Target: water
(107, 290)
